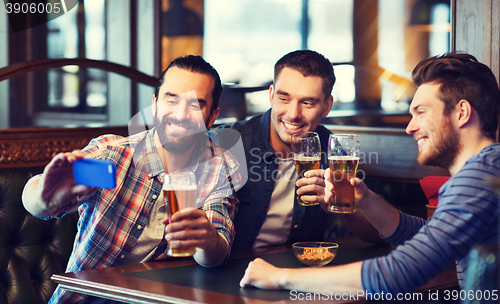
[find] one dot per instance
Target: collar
(265, 129)
(147, 154)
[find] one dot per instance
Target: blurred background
(372, 44)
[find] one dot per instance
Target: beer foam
(343, 157)
(177, 187)
(306, 158)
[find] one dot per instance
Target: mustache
(188, 124)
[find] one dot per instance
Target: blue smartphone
(95, 173)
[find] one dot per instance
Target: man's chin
(422, 160)
(177, 148)
(181, 145)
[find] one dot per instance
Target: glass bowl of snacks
(315, 254)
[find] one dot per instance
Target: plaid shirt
(111, 220)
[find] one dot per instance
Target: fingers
(311, 187)
(191, 228)
(312, 177)
(63, 161)
(69, 157)
(57, 186)
(80, 189)
(261, 274)
(328, 175)
(247, 279)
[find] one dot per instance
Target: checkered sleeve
(220, 203)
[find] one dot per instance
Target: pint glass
(179, 192)
(343, 160)
(306, 150)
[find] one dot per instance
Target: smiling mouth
(421, 141)
(292, 127)
(176, 127)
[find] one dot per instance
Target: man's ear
(463, 111)
(328, 106)
(271, 94)
(213, 117)
(153, 105)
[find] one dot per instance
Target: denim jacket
(308, 222)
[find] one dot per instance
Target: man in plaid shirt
(126, 224)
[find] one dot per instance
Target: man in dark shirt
(269, 212)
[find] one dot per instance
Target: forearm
(380, 214)
(214, 255)
(359, 225)
(337, 279)
(32, 198)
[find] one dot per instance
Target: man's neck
(469, 149)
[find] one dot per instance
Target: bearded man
(129, 224)
(454, 121)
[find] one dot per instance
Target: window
(79, 33)
(372, 44)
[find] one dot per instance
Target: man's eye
(171, 101)
(195, 107)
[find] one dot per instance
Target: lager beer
(343, 169)
(304, 164)
(178, 197)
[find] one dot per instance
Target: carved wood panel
(36, 147)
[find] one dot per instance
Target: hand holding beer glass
(343, 160)
(306, 150)
(179, 192)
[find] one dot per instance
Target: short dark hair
(308, 63)
(197, 64)
(462, 76)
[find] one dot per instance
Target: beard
(446, 150)
(177, 144)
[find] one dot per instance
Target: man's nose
(411, 128)
(182, 111)
(294, 111)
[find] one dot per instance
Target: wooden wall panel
(477, 30)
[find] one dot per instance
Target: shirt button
(122, 256)
(139, 227)
(296, 226)
(154, 196)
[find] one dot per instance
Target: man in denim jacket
(269, 213)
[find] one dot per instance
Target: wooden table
(183, 281)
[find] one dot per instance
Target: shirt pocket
(244, 195)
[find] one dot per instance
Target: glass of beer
(343, 160)
(306, 150)
(179, 192)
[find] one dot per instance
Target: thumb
(328, 174)
(359, 186)
(80, 189)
